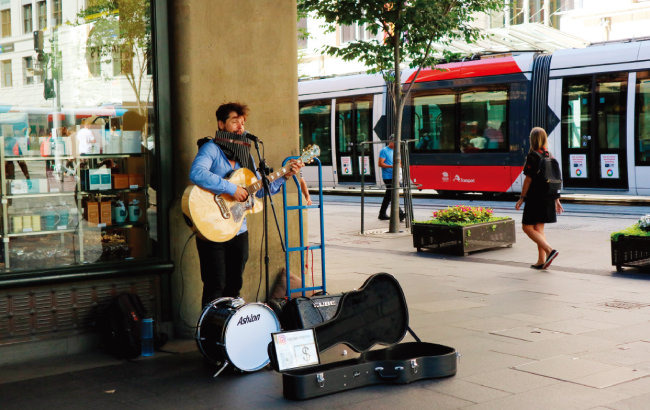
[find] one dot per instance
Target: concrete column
(230, 50)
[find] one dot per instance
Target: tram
(469, 121)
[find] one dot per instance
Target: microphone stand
(264, 171)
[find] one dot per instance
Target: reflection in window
(28, 70)
(434, 123)
(643, 118)
(314, 122)
(576, 114)
(56, 12)
(5, 16)
(483, 120)
(83, 167)
(611, 101)
(41, 14)
(27, 19)
(5, 72)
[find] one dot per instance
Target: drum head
(248, 335)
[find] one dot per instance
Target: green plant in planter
(461, 215)
(641, 228)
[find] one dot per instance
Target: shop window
(5, 16)
(5, 71)
(354, 32)
(27, 19)
(314, 120)
(79, 185)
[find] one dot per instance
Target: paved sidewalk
(574, 337)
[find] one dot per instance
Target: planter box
(631, 251)
(461, 240)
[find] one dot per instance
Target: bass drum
(235, 332)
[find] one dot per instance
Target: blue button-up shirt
(209, 171)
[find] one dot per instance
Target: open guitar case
(374, 314)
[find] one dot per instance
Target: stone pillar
(221, 51)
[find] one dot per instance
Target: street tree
(409, 31)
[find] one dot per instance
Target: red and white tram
(471, 120)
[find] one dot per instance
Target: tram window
(483, 121)
(314, 119)
(611, 101)
(642, 118)
(434, 123)
(577, 116)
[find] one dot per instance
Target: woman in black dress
(541, 207)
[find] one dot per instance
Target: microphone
(251, 137)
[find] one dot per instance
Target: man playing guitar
(222, 263)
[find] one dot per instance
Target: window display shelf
(102, 156)
(38, 158)
(41, 195)
(35, 233)
(111, 191)
(95, 236)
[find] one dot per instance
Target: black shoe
(537, 266)
(550, 258)
(402, 215)
(384, 217)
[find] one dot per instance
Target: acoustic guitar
(218, 218)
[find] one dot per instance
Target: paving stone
(528, 333)
(469, 391)
(568, 368)
(567, 344)
(511, 380)
(611, 377)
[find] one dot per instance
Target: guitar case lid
(374, 314)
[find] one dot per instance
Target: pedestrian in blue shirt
(222, 263)
(386, 164)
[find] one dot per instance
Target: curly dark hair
(224, 110)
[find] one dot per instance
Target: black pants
(387, 197)
(222, 266)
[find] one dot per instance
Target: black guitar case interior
(375, 314)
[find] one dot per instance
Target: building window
(56, 12)
(27, 19)
(28, 70)
(5, 71)
(41, 14)
(354, 32)
(6, 22)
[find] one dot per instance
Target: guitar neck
(256, 186)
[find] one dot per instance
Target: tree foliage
(121, 27)
(409, 29)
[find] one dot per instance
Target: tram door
(354, 125)
(594, 131)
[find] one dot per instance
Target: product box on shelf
(92, 212)
(112, 142)
(120, 181)
(105, 212)
(99, 179)
(132, 142)
(136, 181)
(17, 186)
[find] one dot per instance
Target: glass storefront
(77, 132)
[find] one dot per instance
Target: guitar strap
(235, 147)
